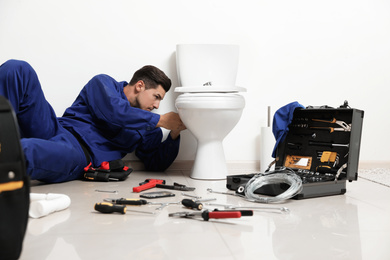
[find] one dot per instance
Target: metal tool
(206, 215)
(227, 206)
(148, 184)
(123, 201)
(191, 196)
(138, 202)
(198, 198)
(157, 194)
(328, 144)
(175, 186)
(225, 193)
(188, 203)
(108, 191)
(163, 204)
(106, 207)
(344, 126)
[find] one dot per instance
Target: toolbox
(322, 147)
(14, 185)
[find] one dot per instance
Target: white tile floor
(351, 226)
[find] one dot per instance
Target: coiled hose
(278, 176)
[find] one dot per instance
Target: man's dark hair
(152, 77)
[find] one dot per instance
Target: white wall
(315, 52)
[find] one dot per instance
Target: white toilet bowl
(210, 106)
(210, 117)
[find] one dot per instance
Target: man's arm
(157, 155)
(104, 98)
(171, 121)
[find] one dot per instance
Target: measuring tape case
(322, 146)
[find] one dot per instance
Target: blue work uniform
(101, 119)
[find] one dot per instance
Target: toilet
(209, 103)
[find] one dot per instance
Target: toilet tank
(207, 64)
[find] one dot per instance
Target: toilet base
(210, 163)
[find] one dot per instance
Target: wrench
(344, 126)
(225, 193)
(197, 198)
(163, 204)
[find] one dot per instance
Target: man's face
(149, 99)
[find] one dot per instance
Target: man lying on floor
(108, 120)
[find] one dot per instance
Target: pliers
(206, 215)
(344, 126)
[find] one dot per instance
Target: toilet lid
(207, 89)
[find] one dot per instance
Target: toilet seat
(210, 101)
(208, 89)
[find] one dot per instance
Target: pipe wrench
(344, 126)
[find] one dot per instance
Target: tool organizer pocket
(322, 144)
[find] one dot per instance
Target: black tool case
(322, 146)
(14, 185)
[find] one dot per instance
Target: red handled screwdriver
(206, 215)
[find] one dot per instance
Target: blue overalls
(101, 119)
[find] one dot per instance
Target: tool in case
(322, 147)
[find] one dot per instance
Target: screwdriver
(206, 215)
(192, 204)
(244, 213)
(106, 207)
(123, 201)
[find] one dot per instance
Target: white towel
(45, 204)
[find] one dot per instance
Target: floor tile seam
(383, 184)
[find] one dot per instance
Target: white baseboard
(374, 164)
(233, 166)
(244, 166)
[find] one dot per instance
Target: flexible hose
(278, 176)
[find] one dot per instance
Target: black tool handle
(106, 207)
(97, 176)
(192, 204)
(246, 213)
(321, 144)
(137, 202)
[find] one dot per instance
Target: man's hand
(172, 121)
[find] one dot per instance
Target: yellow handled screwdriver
(192, 204)
(106, 207)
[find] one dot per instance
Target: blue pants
(52, 153)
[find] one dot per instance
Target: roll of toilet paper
(45, 204)
(267, 143)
